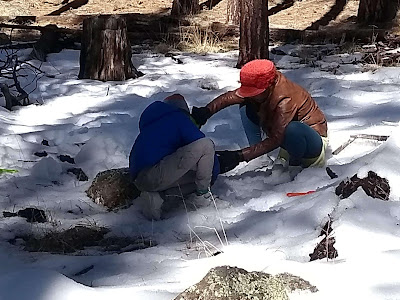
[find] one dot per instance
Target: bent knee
(206, 144)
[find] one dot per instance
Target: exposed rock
(294, 283)
(113, 188)
(232, 283)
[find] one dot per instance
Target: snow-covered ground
(96, 123)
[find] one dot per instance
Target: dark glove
(228, 160)
(200, 115)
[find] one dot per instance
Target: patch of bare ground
(79, 238)
(13, 8)
(307, 21)
(298, 16)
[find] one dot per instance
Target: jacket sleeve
(283, 114)
(188, 130)
(224, 100)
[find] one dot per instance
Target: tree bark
(254, 31)
(376, 11)
(106, 51)
(11, 100)
(48, 43)
(185, 7)
(233, 12)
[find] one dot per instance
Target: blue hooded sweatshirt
(163, 129)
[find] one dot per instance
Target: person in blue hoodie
(171, 156)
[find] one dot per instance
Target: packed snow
(256, 227)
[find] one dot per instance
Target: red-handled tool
(300, 193)
(313, 191)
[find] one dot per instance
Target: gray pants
(187, 169)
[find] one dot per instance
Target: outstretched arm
(224, 100)
(283, 115)
(202, 114)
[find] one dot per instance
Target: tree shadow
(74, 4)
(281, 6)
(335, 10)
(209, 4)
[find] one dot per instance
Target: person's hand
(200, 115)
(228, 160)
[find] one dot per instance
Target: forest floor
(300, 15)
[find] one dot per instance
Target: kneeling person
(171, 155)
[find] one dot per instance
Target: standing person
(285, 111)
(171, 156)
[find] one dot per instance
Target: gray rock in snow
(113, 188)
(232, 283)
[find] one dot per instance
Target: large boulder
(113, 188)
(232, 283)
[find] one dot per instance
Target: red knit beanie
(256, 76)
(177, 100)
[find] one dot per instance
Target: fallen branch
(380, 138)
(11, 69)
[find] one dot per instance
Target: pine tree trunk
(233, 13)
(185, 7)
(106, 51)
(375, 11)
(254, 35)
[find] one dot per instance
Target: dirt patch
(80, 238)
(31, 215)
(290, 21)
(325, 248)
(373, 185)
(14, 8)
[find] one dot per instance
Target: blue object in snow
(163, 129)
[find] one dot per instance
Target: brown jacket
(287, 102)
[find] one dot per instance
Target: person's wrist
(207, 112)
(240, 156)
(201, 115)
(200, 192)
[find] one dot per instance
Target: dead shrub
(80, 238)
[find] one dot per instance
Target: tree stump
(106, 51)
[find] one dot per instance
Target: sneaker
(279, 166)
(294, 171)
(150, 205)
(200, 198)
